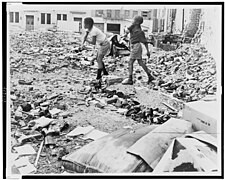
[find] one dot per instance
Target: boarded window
(58, 16)
(64, 17)
(16, 17)
(11, 16)
(48, 18)
(42, 18)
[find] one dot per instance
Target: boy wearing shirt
(96, 36)
(137, 37)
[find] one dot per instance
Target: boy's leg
(148, 72)
(100, 66)
(131, 67)
(103, 50)
(105, 72)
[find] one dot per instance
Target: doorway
(29, 22)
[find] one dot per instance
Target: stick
(26, 113)
(172, 108)
(38, 154)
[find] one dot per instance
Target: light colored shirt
(100, 36)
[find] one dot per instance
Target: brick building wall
(192, 26)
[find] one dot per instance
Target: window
(58, 16)
(64, 17)
(80, 22)
(135, 13)
(109, 13)
(77, 19)
(48, 18)
(11, 16)
(16, 17)
(117, 15)
(144, 13)
(114, 28)
(42, 18)
(127, 14)
(98, 13)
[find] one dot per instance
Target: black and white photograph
(114, 89)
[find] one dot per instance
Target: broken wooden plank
(38, 154)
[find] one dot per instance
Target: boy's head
(138, 20)
(88, 23)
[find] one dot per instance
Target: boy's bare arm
(93, 41)
(85, 38)
(126, 33)
(148, 52)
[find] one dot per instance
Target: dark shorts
(136, 51)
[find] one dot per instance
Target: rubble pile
(51, 94)
(129, 106)
(189, 73)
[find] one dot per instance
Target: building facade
(108, 20)
(37, 20)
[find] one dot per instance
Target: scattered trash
(45, 104)
(110, 79)
(94, 135)
(80, 131)
(54, 111)
(26, 149)
(26, 107)
(190, 153)
(23, 82)
(62, 94)
(24, 166)
(41, 122)
(13, 97)
(28, 138)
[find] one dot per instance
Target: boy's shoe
(127, 81)
(105, 73)
(150, 79)
(96, 83)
